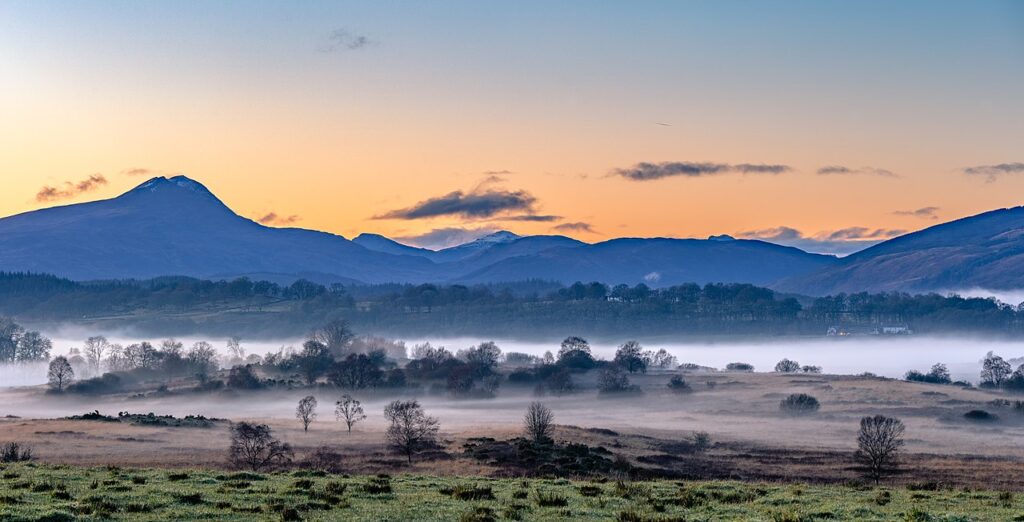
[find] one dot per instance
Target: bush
(981, 416)
(15, 452)
(739, 367)
(799, 403)
(787, 366)
(108, 383)
(939, 374)
(614, 379)
(678, 384)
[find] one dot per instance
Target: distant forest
(180, 305)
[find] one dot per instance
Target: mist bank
(884, 356)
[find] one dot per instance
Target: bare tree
(349, 410)
(253, 446)
(336, 335)
(235, 349)
(411, 429)
(538, 422)
(878, 444)
(95, 348)
(60, 373)
(306, 411)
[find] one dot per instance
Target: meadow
(33, 492)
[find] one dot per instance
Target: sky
(824, 125)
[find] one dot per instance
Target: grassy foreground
(42, 492)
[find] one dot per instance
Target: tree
(253, 446)
(336, 335)
(202, 357)
(235, 349)
(787, 366)
(994, 370)
(799, 403)
(878, 444)
(306, 411)
(313, 361)
(60, 373)
(630, 356)
(356, 372)
(140, 356)
(243, 377)
(483, 357)
(613, 379)
(349, 410)
(32, 346)
(575, 353)
(538, 422)
(95, 348)
(10, 333)
(573, 344)
(411, 429)
(663, 360)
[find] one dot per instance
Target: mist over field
(884, 356)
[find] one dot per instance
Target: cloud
(993, 171)
(497, 172)
(534, 218)
(477, 204)
(645, 171)
(577, 226)
(838, 242)
(871, 171)
(136, 172)
(273, 219)
(342, 40)
(923, 212)
(71, 189)
(439, 238)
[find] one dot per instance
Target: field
(44, 492)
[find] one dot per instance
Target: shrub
(739, 367)
(939, 374)
(551, 500)
(678, 384)
(462, 492)
(107, 383)
(787, 366)
(614, 379)
(15, 452)
(980, 416)
(799, 403)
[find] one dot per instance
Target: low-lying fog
(885, 356)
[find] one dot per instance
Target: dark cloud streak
(646, 171)
(70, 189)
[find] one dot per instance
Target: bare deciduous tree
(349, 410)
(60, 373)
(95, 348)
(253, 446)
(411, 429)
(538, 422)
(306, 411)
(878, 444)
(336, 335)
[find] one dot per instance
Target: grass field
(32, 492)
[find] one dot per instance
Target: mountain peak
(501, 236)
(179, 182)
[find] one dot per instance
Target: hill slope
(982, 251)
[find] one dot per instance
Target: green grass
(30, 492)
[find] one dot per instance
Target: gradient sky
(329, 114)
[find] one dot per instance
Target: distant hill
(177, 227)
(982, 251)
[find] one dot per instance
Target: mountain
(379, 243)
(657, 262)
(982, 251)
(177, 227)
